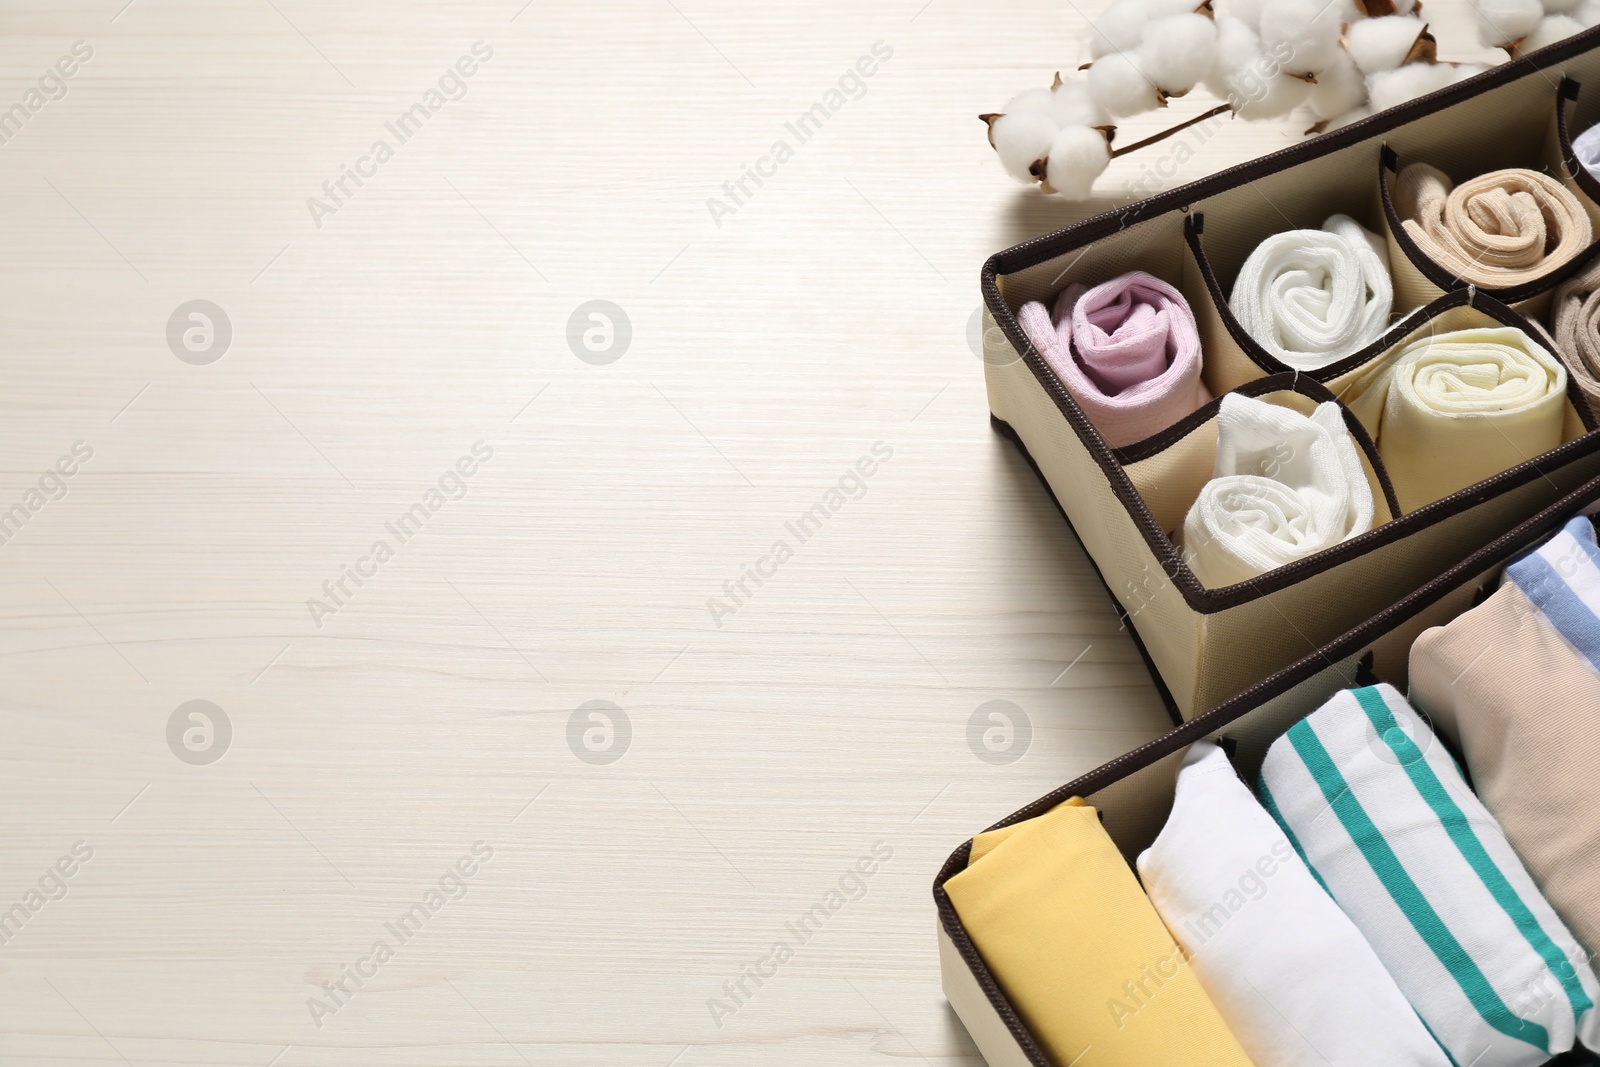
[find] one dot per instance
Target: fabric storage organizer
(1134, 792)
(1205, 644)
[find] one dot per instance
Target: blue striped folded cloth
(1376, 806)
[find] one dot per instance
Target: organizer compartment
(1170, 470)
(1205, 645)
(1134, 793)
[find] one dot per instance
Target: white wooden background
(830, 713)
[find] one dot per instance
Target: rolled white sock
(1284, 485)
(1376, 805)
(1312, 297)
(1250, 916)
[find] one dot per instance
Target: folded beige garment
(1455, 408)
(1517, 677)
(1498, 230)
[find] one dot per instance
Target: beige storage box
(1207, 644)
(1134, 792)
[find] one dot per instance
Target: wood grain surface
(368, 739)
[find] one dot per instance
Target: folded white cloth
(1284, 485)
(1291, 975)
(1453, 409)
(1312, 297)
(1376, 805)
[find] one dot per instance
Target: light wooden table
(377, 737)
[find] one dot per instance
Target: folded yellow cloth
(1079, 950)
(1498, 230)
(1453, 409)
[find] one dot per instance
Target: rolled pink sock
(1127, 350)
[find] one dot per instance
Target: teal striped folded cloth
(1376, 806)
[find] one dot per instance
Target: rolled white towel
(1312, 297)
(1284, 485)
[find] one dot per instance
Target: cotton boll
(1460, 72)
(1355, 114)
(1387, 88)
(1382, 43)
(1302, 34)
(1119, 28)
(1340, 87)
(1269, 98)
(1078, 156)
(1178, 51)
(1237, 47)
(1034, 100)
(1118, 83)
(1071, 105)
(1020, 138)
(1247, 12)
(1551, 28)
(1502, 21)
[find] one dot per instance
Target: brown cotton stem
(1425, 49)
(1220, 109)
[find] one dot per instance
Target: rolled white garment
(1289, 972)
(1284, 485)
(1312, 297)
(1453, 409)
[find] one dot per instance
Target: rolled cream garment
(1312, 297)
(1498, 230)
(1062, 924)
(1519, 676)
(1377, 807)
(1127, 350)
(1284, 485)
(1251, 918)
(1575, 322)
(1453, 409)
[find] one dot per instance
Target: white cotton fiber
(1355, 114)
(1237, 46)
(1272, 98)
(1460, 72)
(1339, 88)
(1078, 155)
(1387, 88)
(1119, 28)
(1035, 100)
(1551, 28)
(1502, 21)
(1561, 7)
(1588, 13)
(1247, 12)
(1247, 78)
(1071, 105)
(1308, 29)
(1020, 137)
(1119, 84)
(1178, 50)
(1382, 43)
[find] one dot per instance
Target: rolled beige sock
(1498, 230)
